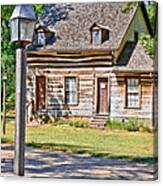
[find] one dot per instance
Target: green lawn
(107, 143)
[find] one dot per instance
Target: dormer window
(41, 39)
(44, 36)
(99, 34)
(96, 37)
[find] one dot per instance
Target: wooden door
(40, 92)
(103, 95)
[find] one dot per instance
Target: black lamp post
(22, 24)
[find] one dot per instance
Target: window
(95, 36)
(41, 40)
(70, 90)
(105, 35)
(132, 96)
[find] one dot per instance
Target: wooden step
(98, 121)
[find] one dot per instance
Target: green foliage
(152, 14)
(7, 52)
(148, 44)
(38, 9)
(128, 6)
(72, 122)
(114, 124)
(132, 124)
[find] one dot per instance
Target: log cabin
(86, 61)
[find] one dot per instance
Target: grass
(103, 143)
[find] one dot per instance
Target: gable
(138, 24)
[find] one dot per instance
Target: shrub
(72, 122)
(144, 127)
(133, 124)
(114, 124)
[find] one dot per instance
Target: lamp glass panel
(14, 30)
(26, 30)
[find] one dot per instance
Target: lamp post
(22, 24)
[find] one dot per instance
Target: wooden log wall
(87, 92)
(55, 91)
(118, 108)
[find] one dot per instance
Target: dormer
(99, 34)
(43, 36)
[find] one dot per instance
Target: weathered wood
(20, 111)
(87, 92)
(60, 59)
(68, 53)
(70, 65)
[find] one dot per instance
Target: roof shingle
(72, 22)
(138, 61)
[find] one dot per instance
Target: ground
(99, 143)
(69, 152)
(57, 164)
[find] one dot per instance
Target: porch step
(99, 121)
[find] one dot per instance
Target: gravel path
(41, 163)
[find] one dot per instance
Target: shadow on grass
(77, 149)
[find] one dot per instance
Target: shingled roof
(71, 23)
(139, 61)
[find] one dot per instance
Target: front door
(40, 92)
(103, 95)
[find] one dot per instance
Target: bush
(114, 124)
(72, 122)
(144, 127)
(133, 124)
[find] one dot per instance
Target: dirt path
(41, 163)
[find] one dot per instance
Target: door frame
(97, 93)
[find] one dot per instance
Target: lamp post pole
(20, 111)
(22, 28)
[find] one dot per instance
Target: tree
(152, 15)
(8, 55)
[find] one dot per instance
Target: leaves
(152, 14)
(38, 9)
(148, 44)
(8, 51)
(128, 6)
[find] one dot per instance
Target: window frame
(76, 91)
(127, 93)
